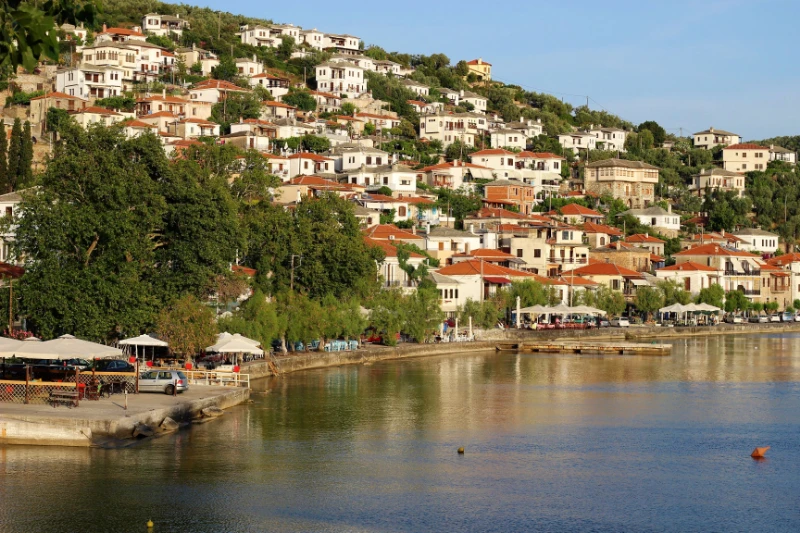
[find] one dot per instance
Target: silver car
(166, 381)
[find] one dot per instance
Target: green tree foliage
(3, 155)
(460, 203)
(659, 133)
(459, 152)
(234, 107)
(301, 99)
(422, 313)
(530, 292)
(649, 300)
(369, 129)
(19, 158)
(712, 295)
(25, 176)
(485, 314)
(161, 40)
(388, 314)
(726, 210)
(257, 319)
(28, 30)
(226, 70)
(118, 103)
(286, 47)
(673, 292)
(736, 301)
(349, 109)
(610, 301)
(188, 326)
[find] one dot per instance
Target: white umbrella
(708, 307)
(66, 347)
(587, 310)
(224, 339)
(143, 340)
(674, 308)
(8, 347)
(235, 345)
(560, 309)
(535, 309)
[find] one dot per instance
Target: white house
(778, 153)
(91, 81)
(656, 217)
(578, 140)
(415, 86)
(313, 38)
(164, 25)
(711, 137)
(745, 157)
(340, 78)
(609, 138)
(214, 91)
(191, 56)
(757, 240)
(506, 138)
(400, 179)
(249, 66)
(478, 102)
(275, 85)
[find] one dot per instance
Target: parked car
(775, 317)
(620, 322)
(787, 317)
(734, 319)
(604, 323)
(166, 381)
(758, 319)
(113, 365)
(797, 317)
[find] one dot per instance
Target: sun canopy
(674, 308)
(8, 347)
(561, 309)
(708, 308)
(65, 347)
(227, 343)
(143, 340)
(587, 310)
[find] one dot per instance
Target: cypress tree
(3, 156)
(14, 157)
(26, 167)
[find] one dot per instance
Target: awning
(639, 282)
(497, 280)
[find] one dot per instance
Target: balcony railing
(732, 272)
(750, 292)
(569, 260)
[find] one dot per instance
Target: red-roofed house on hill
(455, 174)
(504, 193)
(390, 272)
(599, 235)
(576, 214)
(479, 280)
(692, 276)
(214, 91)
(615, 277)
(306, 163)
(736, 269)
(390, 232)
(745, 157)
(644, 240)
(480, 68)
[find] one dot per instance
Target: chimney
(104, 28)
(299, 196)
(414, 229)
(461, 93)
(472, 228)
(164, 93)
(722, 233)
(669, 207)
(711, 129)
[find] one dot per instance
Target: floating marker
(760, 451)
(461, 450)
(149, 524)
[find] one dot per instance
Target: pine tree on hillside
(26, 167)
(14, 157)
(3, 155)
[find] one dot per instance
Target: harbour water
(553, 443)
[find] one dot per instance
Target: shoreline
(489, 339)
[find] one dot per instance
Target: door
(164, 379)
(148, 381)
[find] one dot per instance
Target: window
(519, 251)
(537, 253)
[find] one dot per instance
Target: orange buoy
(759, 451)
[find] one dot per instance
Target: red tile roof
(577, 210)
(476, 268)
(714, 250)
(159, 114)
(244, 270)
(308, 155)
(311, 180)
(56, 94)
(496, 212)
(451, 164)
(643, 237)
(219, 85)
(159, 98)
(745, 146)
(604, 269)
(389, 249)
(200, 121)
(488, 255)
(133, 123)
(371, 115)
(97, 110)
(492, 151)
(785, 259)
(591, 227)
(475, 62)
(122, 31)
(385, 231)
(570, 279)
(273, 103)
(688, 266)
(538, 155)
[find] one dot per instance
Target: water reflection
(553, 442)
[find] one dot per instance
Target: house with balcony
(776, 286)
(252, 134)
(652, 244)
(624, 255)
(449, 128)
(307, 164)
(477, 101)
(600, 235)
(249, 66)
(481, 69)
(399, 178)
(609, 138)
(778, 153)
(507, 138)
(576, 214)
(91, 81)
(547, 248)
(505, 193)
(192, 128)
(633, 182)
(789, 263)
(615, 277)
(87, 116)
(214, 91)
(120, 35)
(389, 272)
(135, 128)
(658, 218)
(426, 108)
(745, 157)
(443, 242)
(711, 138)
(479, 280)
(503, 162)
(276, 85)
(327, 102)
(736, 269)
(341, 78)
(449, 296)
(529, 128)
(391, 233)
(455, 174)
(692, 276)
(343, 44)
(191, 56)
(381, 122)
(419, 88)
(164, 25)
(273, 110)
(717, 179)
(578, 140)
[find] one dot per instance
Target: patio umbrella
(534, 309)
(226, 338)
(240, 345)
(8, 346)
(65, 347)
(708, 308)
(144, 340)
(587, 310)
(561, 309)
(674, 308)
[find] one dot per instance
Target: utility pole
(10, 306)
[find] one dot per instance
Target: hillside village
(482, 184)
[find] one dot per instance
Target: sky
(729, 64)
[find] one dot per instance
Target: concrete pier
(583, 347)
(107, 419)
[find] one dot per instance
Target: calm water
(553, 443)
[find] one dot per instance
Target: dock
(580, 347)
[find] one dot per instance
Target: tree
(484, 314)
(673, 292)
(530, 292)
(301, 99)
(315, 143)
(25, 176)
(649, 300)
(736, 301)
(15, 157)
(258, 319)
(369, 129)
(610, 301)
(28, 30)
(349, 109)
(422, 313)
(712, 295)
(234, 107)
(459, 203)
(388, 314)
(285, 49)
(659, 133)
(225, 70)
(187, 325)
(461, 68)
(89, 236)
(3, 155)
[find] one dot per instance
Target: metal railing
(732, 272)
(30, 392)
(568, 260)
(216, 377)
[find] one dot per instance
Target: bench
(68, 397)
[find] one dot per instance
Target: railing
(115, 381)
(216, 377)
(30, 392)
(750, 292)
(732, 272)
(568, 260)
(398, 283)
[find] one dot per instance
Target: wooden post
(78, 386)
(136, 369)
(10, 307)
